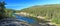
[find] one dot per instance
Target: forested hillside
(48, 11)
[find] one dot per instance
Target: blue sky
(21, 4)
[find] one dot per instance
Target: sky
(21, 4)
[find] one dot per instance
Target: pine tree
(2, 7)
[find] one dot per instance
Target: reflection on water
(29, 20)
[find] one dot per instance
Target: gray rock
(13, 22)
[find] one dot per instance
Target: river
(27, 19)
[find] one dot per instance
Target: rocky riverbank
(42, 22)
